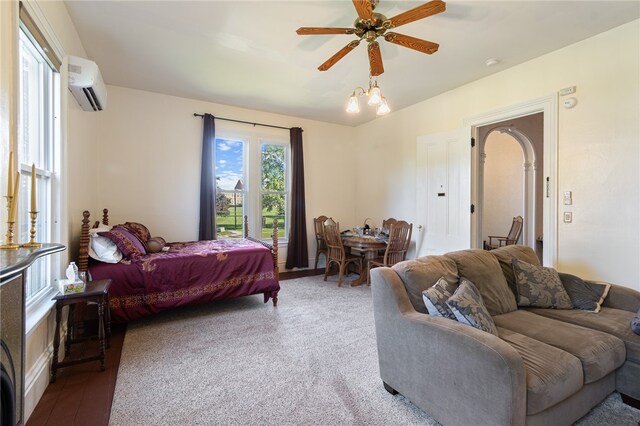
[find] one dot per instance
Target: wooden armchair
(321, 244)
(336, 252)
(512, 237)
(397, 245)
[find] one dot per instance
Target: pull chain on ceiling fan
(370, 25)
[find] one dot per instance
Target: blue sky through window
(229, 163)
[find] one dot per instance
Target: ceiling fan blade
(364, 9)
(427, 9)
(324, 30)
(418, 44)
(375, 59)
(339, 55)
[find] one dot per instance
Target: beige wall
(148, 162)
(598, 148)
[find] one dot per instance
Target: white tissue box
(67, 287)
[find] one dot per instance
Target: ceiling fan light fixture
(383, 108)
(352, 106)
(375, 96)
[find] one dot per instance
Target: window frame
(252, 189)
(48, 167)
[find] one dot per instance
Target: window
(37, 136)
(261, 192)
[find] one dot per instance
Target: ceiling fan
(370, 25)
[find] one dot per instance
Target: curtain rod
(195, 114)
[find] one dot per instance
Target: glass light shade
(383, 108)
(374, 96)
(353, 106)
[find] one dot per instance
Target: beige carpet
(312, 360)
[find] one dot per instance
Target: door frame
(548, 105)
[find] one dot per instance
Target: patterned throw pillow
(140, 231)
(467, 305)
(635, 323)
(539, 287)
(155, 244)
(588, 297)
(126, 242)
(435, 299)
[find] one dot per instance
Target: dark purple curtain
(207, 229)
(297, 255)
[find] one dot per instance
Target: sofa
(544, 366)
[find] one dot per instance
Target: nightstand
(96, 292)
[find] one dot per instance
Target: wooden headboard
(83, 260)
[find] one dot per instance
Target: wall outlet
(568, 217)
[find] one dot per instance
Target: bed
(183, 273)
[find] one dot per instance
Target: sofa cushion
(600, 353)
(552, 375)
(435, 299)
(608, 320)
(539, 286)
(482, 269)
(466, 304)
(419, 274)
(588, 297)
(504, 256)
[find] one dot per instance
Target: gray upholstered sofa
(545, 367)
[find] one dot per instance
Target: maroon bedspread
(191, 272)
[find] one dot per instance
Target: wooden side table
(95, 292)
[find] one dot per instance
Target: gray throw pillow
(635, 323)
(435, 299)
(585, 296)
(539, 287)
(466, 304)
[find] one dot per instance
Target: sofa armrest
(621, 297)
(456, 373)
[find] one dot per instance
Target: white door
(443, 198)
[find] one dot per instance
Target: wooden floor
(82, 394)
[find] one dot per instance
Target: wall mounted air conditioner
(86, 85)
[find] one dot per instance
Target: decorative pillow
(467, 306)
(102, 248)
(635, 323)
(435, 299)
(140, 231)
(584, 296)
(128, 244)
(539, 286)
(155, 244)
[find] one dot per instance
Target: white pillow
(102, 248)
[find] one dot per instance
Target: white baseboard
(36, 381)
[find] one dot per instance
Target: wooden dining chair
(397, 246)
(321, 244)
(336, 252)
(512, 237)
(386, 223)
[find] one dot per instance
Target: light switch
(568, 217)
(567, 198)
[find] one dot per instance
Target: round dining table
(367, 244)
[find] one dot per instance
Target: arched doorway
(510, 182)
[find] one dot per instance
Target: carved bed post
(246, 226)
(83, 260)
(274, 239)
(105, 217)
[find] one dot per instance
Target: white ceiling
(247, 53)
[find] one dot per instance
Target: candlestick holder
(32, 232)
(9, 244)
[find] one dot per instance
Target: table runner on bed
(190, 272)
